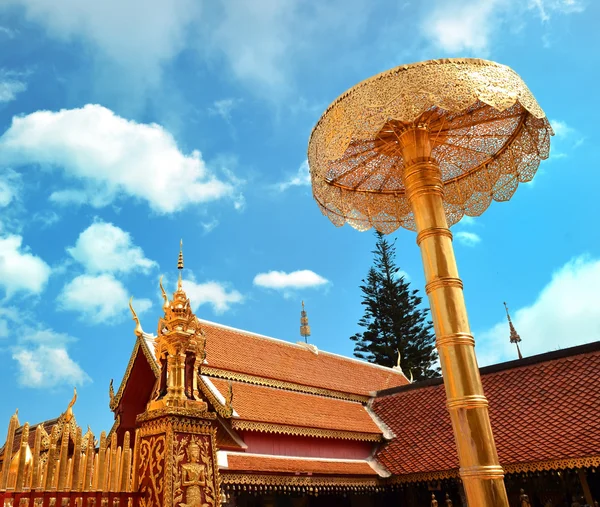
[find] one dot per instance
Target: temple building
(208, 415)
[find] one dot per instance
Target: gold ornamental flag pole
(419, 147)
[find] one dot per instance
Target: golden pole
(480, 469)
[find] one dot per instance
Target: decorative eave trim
(222, 409)
(285, 429)
(555, 464)
(292, 483)
(513, 468)
(139, 342)
(281, 384)
(424, 476)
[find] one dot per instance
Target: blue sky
(127, 125)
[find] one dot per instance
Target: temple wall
(309, 447)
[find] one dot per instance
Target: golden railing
(64, 465)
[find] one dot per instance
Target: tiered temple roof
(544, 411)
(275, 399)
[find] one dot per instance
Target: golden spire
(180, 263)
(138, 331)
(304, 327)
(514, 336)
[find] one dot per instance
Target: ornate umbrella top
(486, 130)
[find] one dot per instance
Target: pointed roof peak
(514, 336)
(304, 327)
(180, 263)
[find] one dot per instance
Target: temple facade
(208, 415)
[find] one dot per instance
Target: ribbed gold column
(480, 470)
(22, 458)
(12, 427)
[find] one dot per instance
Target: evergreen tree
(394, 320)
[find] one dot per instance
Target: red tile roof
(243, 352)
(263, 463)
(277, 406)
(546, 409)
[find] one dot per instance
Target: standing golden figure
(193, 477)
(419, 147)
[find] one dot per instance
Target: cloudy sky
(127, 125)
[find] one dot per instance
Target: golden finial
(164, 294)
(180, 263)
(229, 399)
(514, 336)
(304, 327)
(111, 392)
(410, 380)
(399, 359)
(69, 411)
(138, 331)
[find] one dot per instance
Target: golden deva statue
(448, 501)
(434, 502)
(193, 477)
(524, 499)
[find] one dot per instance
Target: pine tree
(394, 319)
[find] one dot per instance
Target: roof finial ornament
(304, 327)
(111, 392)
(514, 336)
(69, 411)
(138, 331)
(164, 294)
(180, 263)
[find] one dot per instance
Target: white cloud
(47, 366)
(10, 185)
(7, 32)
(403, 274)
(467, 238)
(9, 89)
(19, 269)
(208, 227)
(224, 107)
(99, 298)
(40, 352)
(301, 178)
(567, 139)
(456, 26)
(561, 129)
(566, 313)
(468, 221)
(264, 41)
(280, 280)
(111, 157)
(216, 294)
(546, 7)
(104, 247)
(138, 36)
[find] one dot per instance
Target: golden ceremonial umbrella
(419, 147)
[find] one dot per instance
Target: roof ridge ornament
(138, 331)
(304, 327)
(69, 411)
(514, 336)
(180, 263)
(164, 294)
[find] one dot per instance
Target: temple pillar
(175, 458)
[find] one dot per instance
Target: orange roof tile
(264, 463)
(243, 352)
(277, 406)
(542, 408)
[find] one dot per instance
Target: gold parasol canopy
(486, 130)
